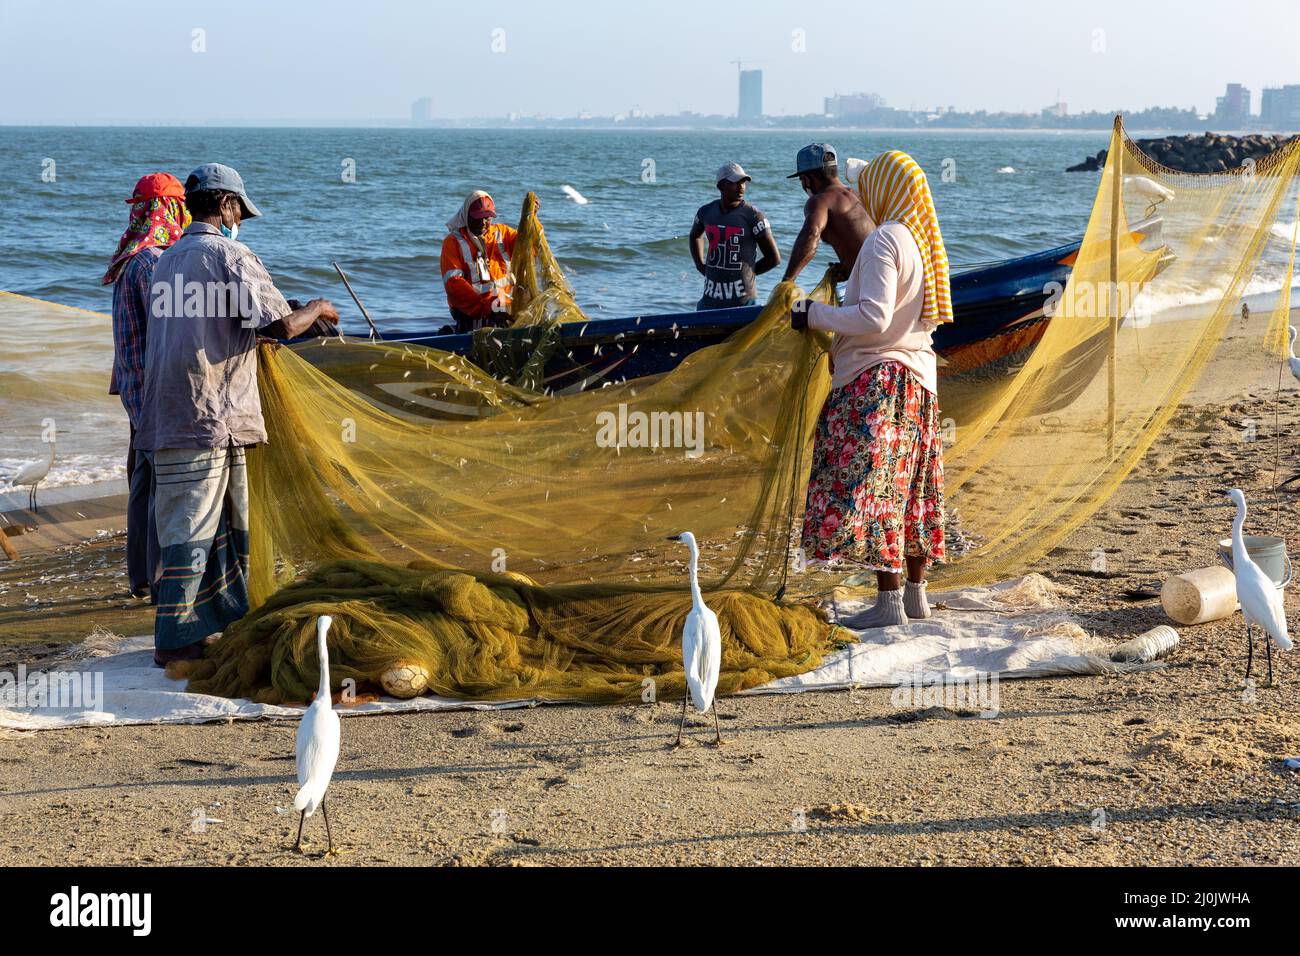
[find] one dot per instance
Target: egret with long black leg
(1261, 601)
(1295, 370)
(318, 744)
(701, 648)
(30, 474)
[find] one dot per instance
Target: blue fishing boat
(1000, 313)
(998, 316)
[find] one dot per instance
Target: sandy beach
(1176, 766)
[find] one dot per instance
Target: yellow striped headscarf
(894, 189)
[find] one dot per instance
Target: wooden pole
(1116, 208)
(374, 332)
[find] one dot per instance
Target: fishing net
(579, 487)
(409, 501)
(495, 637)
(393, 469)
(1167, 262)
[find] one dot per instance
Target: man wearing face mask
(210, 300)
(833, 212)
(475, 265)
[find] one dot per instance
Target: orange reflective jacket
(471, 280)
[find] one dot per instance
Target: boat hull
(998, 310)
(998, 319)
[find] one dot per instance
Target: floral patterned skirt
(875, 494)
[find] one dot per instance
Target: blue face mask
(230, 232)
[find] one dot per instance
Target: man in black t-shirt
(737, 232)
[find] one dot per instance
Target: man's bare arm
(771, 255)
(698, 251)
(810, 236)
(300, 320)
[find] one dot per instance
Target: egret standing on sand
(318, 744)
(1295, 370)
(1261, 601)
(701, 647)
(31, 474)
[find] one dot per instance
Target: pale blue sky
(80, 61)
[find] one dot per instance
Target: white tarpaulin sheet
(1011, 629)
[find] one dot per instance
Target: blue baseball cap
(813, 158)
(217, 176)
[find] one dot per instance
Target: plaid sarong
(201, 512)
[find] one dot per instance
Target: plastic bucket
(1267, 551)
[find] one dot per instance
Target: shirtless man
(833, 212)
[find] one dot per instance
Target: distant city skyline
(1279, 111)
(334, 62)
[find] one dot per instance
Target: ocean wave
(1160, 297)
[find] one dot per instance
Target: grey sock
(888, 610)
(914, 600)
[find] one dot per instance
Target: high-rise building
(1233, 107)
(422, 110)
(751, 95)
(853, 104)
(1280, 107)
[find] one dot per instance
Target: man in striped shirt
(210, 301)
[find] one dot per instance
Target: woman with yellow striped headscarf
(875, 494)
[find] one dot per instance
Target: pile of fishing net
(497, 637)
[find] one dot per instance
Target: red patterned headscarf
(158, 217)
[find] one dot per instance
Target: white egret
(853, 168)
(1150, 190)
(701, 647)
(1261, 601)
(1295, 370)
(318, 743)
(31, 474)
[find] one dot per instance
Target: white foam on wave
(1162, 298)
(1283, 230)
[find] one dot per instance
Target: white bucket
(1195, 597)
(1268, 552)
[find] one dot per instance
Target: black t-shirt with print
(733, 250)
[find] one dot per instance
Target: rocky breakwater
(1207, 153)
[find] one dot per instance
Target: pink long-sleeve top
(880, 320)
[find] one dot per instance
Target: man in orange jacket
(476, 265)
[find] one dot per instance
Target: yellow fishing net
(546, 514)
(1167, 260)
(493, 637)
